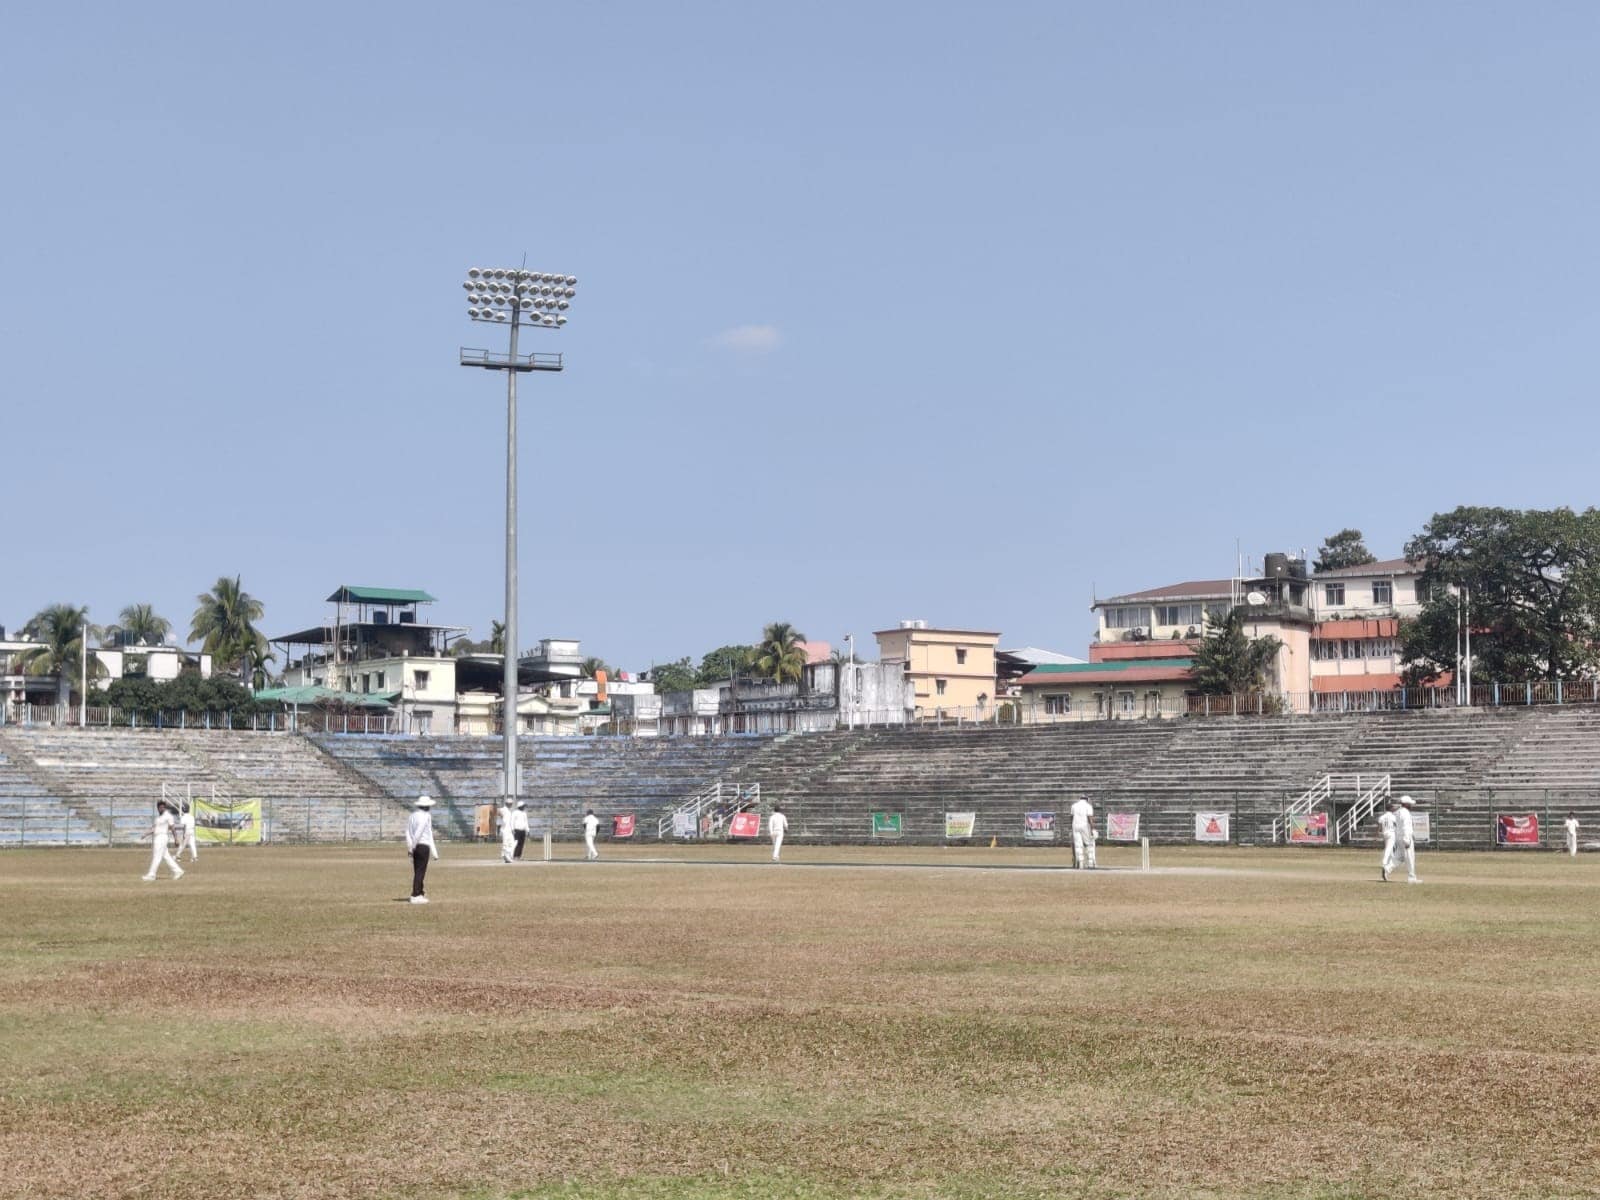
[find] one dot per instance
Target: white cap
(1406, 800)
(423, 802)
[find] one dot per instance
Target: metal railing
(707, 811)
(1318, 793)
(1358, 812)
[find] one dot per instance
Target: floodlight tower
(514, 297)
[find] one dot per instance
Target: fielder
(186, 834)
(1386, 826)
(519, 829)
(1082, 833)
(1571, 826)
(419, 845)
(591, 825)
(160, 849)
(777, 826)
(508, 836)
(1405, 832)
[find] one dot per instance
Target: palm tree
(497, 637)
(59, 632)
(224, 625)
(592, 666)
(781, 655)
(258, 659)
(139, 623)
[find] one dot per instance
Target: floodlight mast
(514, 296)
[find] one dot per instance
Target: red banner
(745, 825)
(622, 825)
(1516, 829)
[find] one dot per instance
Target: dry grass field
(1282, 1025)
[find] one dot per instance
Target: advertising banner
(1122, 827)
(1039, 827)
(221, 823)
(744, 825)
(483, 820)
(1421, 828)
(886, 825)
(1211, 827)
(622, 825)
(683, 825)
(1514, 829)
(1308, 829)
(960, 825)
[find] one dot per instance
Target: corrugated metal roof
(1193, 589)
(1384, 566)
(377, 595)
(314, 694)
(1133, 670)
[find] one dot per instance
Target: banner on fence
(1308, 829)
(1515, 829)
(1122, 827)
(621, 825)
(683, 825)
(483, 821)
(1421, 828)
(1039, 827)
(744, 825)
(887, 825)
(1211, 827)
(223, 822)
(960, 825)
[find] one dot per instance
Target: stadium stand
(83, 786)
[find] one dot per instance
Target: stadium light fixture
(518, 299)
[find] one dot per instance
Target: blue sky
(885, 310)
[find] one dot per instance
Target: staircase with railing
(706, 813)
(1319, 792)
(1358, 812)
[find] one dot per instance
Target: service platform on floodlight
(489, 360)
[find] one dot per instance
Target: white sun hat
(423, 802)
(1406, 800)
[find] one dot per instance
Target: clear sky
(884, 310)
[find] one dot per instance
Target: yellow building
(952, 670)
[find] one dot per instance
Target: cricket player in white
(508, 833)
(1082, 832)
(1571, 826)
(419, 845)
(591, 824)
(519, 829)
(777, 826)
(1404, 830)
(186, 834)
(160, 844)
(1386, 826)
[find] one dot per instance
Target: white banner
(683, 825)
(1421, 830)
(1211, 827)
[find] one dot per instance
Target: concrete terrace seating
(1428, 749)
(561, 776)
(1561, 751)
(31, 816)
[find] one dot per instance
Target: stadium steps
(31, 814)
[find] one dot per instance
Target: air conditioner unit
(1193, 632)
(380, 618)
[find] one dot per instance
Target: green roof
(1121, 664)
(312, 694)
(377, 595)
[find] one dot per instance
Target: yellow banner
(223, 824)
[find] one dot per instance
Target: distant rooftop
(1384, 566)
(1193, 589)
(377, 595)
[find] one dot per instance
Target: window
(1125, 701)
(1422, 592)
(422, 680)
(1179, 614)
(1099, 704)
(1352, 648)
(961, 656)
(1333, 594)
(1057, 706)
(1127, 616)
(1382, 592)
(380, 680)
(938, 686)
(366, 681)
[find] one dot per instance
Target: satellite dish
(1255, 598)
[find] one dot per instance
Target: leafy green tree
(224, 625)
(139, 623)
(1227, 661)
(187, 693)
(781, 654)
(676, 676)
(1533, 580)
(724, 663)
(1344, 549)
(59, 631)
(592, 666)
